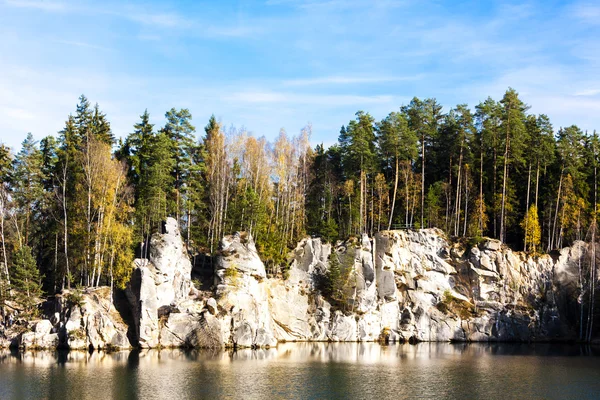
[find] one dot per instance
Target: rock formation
(77, 320)
(409, 285)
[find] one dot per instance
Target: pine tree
(322, 194)
(5, 172)
(357, 142)
(515, 136)
(26, 279)
(180, 132)
(397, 142)
(488, 117)
(28, 188)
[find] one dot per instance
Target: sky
(272, 64)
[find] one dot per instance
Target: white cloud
(348, 80)
(588, 92)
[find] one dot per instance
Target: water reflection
(308, 370)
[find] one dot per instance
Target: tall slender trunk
(504, 181)
(2, 205)
(55, 259)
(527, 208)
(66, 228)
(466, 201)
(448, 196)
(362, 200)
(422, 178)
(551, 244)
(458, 184)
(457, 203)
(407, 190)
(350, 215)
(177, 185)
(481, 190)
(537, 183)
(495, 191)
(593, 263)
(394, 197)
(372, 219)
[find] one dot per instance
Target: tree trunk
(2, 206)
(422, 178)
(66, 227)
(551, 244)
(481, 189)
(527, 208)
(466, 201)
(504, 179)
(537, 182)
(394, 197)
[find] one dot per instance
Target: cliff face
(411, 285)
(414, 285)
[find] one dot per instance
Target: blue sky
(274, 64)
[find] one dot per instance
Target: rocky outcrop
(409, 285)
(415, 285)
(79, 320)
(159, 282)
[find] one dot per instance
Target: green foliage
(463, 170)
(337, 282)
(321, 198)
(451, 304)
(232, 276)
(180, 132)
(26, 279)
(75, 297)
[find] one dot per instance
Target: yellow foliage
(531, 226)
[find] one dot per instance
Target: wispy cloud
(46, 5)
(19, 113)
(165, 20)
(349, 80)
(82, 44)
(259, 97)
(588, 92)
(587, 12)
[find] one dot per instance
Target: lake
(309, 371)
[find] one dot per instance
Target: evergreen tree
(180, 132)
(357, 143)
(321, 198)
(28, 188)
(424, 119)
(515, 138)
(26, 279)
(488, 116)
(5, 172)
(397, 142)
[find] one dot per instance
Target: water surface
(309, 371)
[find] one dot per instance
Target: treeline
(496, 171)
(75, 210)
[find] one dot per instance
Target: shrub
(451, 304)
(231, 276)
(75, 297)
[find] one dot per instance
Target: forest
(76, 208)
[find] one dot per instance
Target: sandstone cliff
(409, 285)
